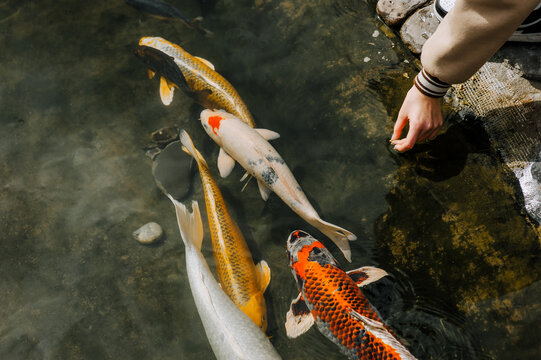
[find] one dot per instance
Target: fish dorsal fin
(225, 163)
(166, 91)
(206, 62)
(378, 330)
(366, 275)
(263, 190)
(264, 274)
(151, 74)
(268, 134)
(299, 319)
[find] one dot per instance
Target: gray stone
(418, 28)
(536, 171)
(148, 233)
(394, 12)
(525, 56)
(172, 170)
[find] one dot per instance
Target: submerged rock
(536, 171)
(172, 170)
(394, 12)
(148, 233)
(418, 28)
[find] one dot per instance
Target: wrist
(429, 85)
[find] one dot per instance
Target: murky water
(446, 220)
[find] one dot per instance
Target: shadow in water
(457, 228)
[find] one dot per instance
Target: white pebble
(148, 233)
(366, 59)
(375, 33)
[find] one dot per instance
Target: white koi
(232, 334)
(251, 149)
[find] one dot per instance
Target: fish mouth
(296, 241)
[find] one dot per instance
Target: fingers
(409, 141)
(401, 122)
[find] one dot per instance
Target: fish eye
(316, 251)
(295, 235)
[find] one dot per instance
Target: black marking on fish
(163, 10)
(269, 176)
(277, 159)
(164, 65)
(300, 308)
(254, 163)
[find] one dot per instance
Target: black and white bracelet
(430, 85)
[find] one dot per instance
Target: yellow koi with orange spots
(208, 88)
(241, 280)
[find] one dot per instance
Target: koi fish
(208, 88)
(251, 149)
(243, 281)
(331, 298)
(163, 10)
(165, 66)
(232, 334)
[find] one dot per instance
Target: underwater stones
(394, 12)
(418, 28)
(524, 56)
(172, 170)
(160, 139)
(148, 233)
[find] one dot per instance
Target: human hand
(424, 116)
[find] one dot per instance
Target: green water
(77, 110)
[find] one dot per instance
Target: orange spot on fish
(214, 122)
(302, 255)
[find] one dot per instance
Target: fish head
(304, 251)
(154, 42)
(212, 122)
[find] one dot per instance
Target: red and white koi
(251, 149)
(331, 298)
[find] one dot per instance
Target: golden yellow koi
(241, 280)
(209, 88)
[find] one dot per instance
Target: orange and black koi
(332, 298)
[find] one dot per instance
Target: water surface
(446, 220)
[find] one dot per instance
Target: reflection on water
(446, 220)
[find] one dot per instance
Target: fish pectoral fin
(366, 275)
(166, 91)
(206, 62)
(244, 177)
(264, 275)
(299, 319)
(268, 134)
(151, 74)
(263, 190)
(225, 163)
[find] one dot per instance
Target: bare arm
(466, 38)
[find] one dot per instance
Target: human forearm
(470, 34)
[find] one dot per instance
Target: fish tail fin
(196, 24)
(339, 236)
(189, 223)
(189, 147)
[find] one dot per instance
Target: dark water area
(446, 220)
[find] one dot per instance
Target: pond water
(446, 220)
